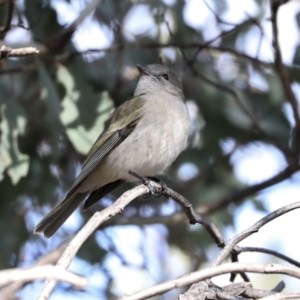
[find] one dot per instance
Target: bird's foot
(162, 185)
(147, 182)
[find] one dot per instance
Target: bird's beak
(142, 70)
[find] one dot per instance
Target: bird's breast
(157, 140)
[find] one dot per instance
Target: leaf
(12, 125)
(51, 97)
(260, 205)
(82, 138)
(235, 114)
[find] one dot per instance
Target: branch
(155, 45)
(116, 208)
(271, 252)
(282, 296)
(41, 272)
(284, 77)
(59, 41)
(252, 229)
(233, 291)
(6, 28)
(230, 246)
(211, 272)
(70, 55)
(10, 52)
(208, 208)
(99, 217)
(93, 223)
(236, 197)
(193, 217)
(247, 112)
(8, 292)
(207, 43)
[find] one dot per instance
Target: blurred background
(240, 163)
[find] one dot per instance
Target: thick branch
(282, 296)
(40, 272)
(9, 291)
(211, 272)
(10, 52)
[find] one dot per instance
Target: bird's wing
(98, 194)
(120, 125)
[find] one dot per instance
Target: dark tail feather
(59, 214)
(101, 192)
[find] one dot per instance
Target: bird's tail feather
(59, 214)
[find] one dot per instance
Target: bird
(144, 135)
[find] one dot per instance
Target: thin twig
(70, 55)
(284, 77)
(7, 26)
(213, 206)
(230, 246)
(219, 20)
(237, 196)
(58, 42)
(271, 252)
(252, 229)
(235, 258)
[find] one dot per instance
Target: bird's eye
(166, 76)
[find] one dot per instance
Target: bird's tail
(59, 214)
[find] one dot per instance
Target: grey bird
(143, 135)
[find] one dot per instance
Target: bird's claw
(147, 182)
(162, 185)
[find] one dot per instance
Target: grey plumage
(144, 135)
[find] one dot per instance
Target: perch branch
(93, 223)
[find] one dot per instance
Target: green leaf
(82, 138)
(51, 97)
(12, 125)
